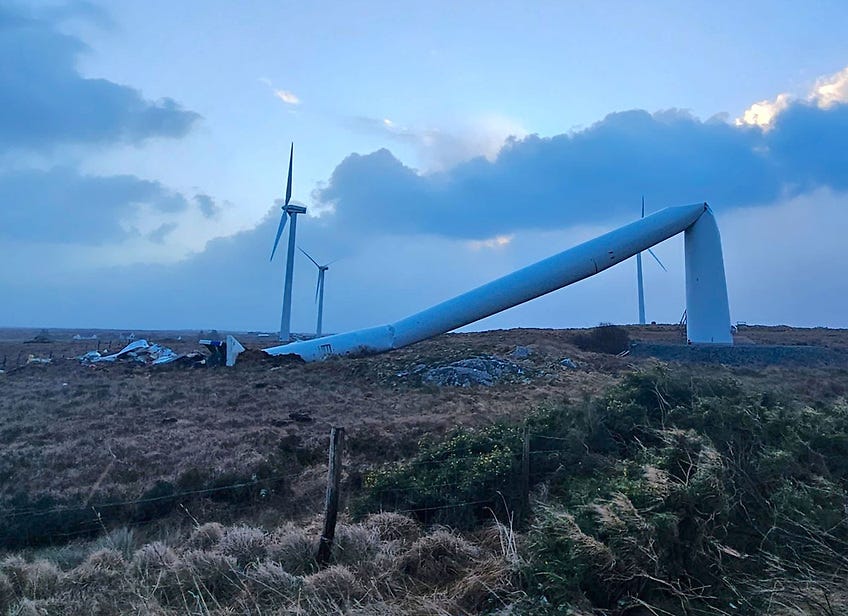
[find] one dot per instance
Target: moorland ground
(75, 435)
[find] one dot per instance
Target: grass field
(73, 437)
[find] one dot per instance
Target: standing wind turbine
(639, 275)
(319, 290)
(289, 210)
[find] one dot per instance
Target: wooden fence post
(331, 504)
(525, 475)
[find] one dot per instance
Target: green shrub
(456, 482)
(690, 490)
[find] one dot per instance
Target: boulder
(485, 370)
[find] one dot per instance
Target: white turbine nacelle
(708, 316)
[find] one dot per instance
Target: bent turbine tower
(706, 288)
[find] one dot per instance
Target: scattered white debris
(142, 352)
(234, 348)
(568, 363)
(32, 359)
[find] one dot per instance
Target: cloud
(45, 102)
(207, 206)
(828, 91)
(597, 174)
(499, 241)
(289, 98)
(439, 148)
(763, 113)
(389, 277)
(63, 206)
(831, 90)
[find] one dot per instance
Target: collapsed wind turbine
(708, 320)
(639, 284)
(319, 290)
(289, 210)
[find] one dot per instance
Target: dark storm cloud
(207, 206)
(598, 173)
(61, 205)
(45, 102)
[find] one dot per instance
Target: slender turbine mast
(319, 291)
(289, 210)
(639, 281)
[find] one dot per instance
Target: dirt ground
(83, 431)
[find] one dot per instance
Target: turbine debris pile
(141, 351)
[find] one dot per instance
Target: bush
(244, 544)
(294, 549)
(438, 559)
(210, 574)
(205, 536)
(457, 482)
(689, 490)
(7, 593)
(605, 338)
(156, 502)
(269, 584)
(30, 521)
(152, 561)
(335, 585)
(102, 570)
(354, 544)
(390, 526)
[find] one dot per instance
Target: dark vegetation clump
(45, 519)
(672, 494)
(605, 338)
(456, 482)
(695, 495)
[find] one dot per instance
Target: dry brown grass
(438, 573)
(91, 434)
(133, 425)
(390, 526)
(107, 432)
(206, 536)
(244, 544)
(438, 559)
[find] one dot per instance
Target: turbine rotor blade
(309, 257)
(317, 286)
(657, 259)
(289, 182)
(643, 206)
(283, 220)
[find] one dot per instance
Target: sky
(438, 145)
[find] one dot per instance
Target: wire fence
(422, 499)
